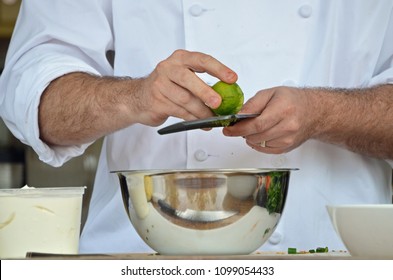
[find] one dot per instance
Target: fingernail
(231, 76)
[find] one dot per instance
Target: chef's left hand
(286, 120)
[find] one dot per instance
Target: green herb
(292, 251)
(322, 250)
(275, 196)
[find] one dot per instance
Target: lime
(232, 98)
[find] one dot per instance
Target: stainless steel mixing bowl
(205, 212)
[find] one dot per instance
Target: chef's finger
(251, 126)
(267, 148)
(284, 136)
(258, 102)
(191, 82)
(273, 146)
(202, 63)
(189, 102)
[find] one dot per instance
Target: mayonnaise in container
(45, 220)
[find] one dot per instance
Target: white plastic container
(45, 220)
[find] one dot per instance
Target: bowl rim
(202, 170)
(360, 206)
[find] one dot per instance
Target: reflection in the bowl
(229, 211)
(204, 216)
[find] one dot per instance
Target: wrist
(327, 108)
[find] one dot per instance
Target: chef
(317, 72)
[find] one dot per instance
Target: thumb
(258, 102)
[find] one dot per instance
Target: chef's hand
(285, 120)
(173, 88)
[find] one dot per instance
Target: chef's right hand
(173, 88)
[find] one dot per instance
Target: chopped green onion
(292, 251)
(322, 250)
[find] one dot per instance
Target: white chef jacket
(268, 43)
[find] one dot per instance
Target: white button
(305, 11)
(278, 160)
(275, 238)
(196, 10)
(201, 155)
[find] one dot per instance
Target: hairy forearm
(360, 120)
(79, 108)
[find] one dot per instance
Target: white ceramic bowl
(204, 212)
(366, 230)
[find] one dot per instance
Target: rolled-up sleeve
(44, 47)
